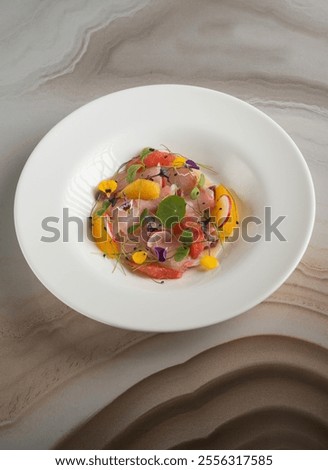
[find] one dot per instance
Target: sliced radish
(224, 205)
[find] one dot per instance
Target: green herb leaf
(171, 210)
(145, 152)
(134, 227)
(143, 215)
(132, 171)
(181, 253)
(195, 193)
(104, 207)
(201, 180)
(186, 237)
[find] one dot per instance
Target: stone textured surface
(69, 382)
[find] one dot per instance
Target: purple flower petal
(192, 164)
(160, 253)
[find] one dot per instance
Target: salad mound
(159, 215)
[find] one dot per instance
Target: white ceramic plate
(251, 154)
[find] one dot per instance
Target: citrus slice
(142, 189)
(102, 239)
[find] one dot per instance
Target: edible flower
(139, 257)
(192, 164)
(160, 253)
(179, 161)
(209, 262)
(107, 186)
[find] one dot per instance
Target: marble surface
(257, 381)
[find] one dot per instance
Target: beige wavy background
(257, 381)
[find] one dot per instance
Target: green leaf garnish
(132, 171)
(104, 207)
(195, 193)
(134, 227)
(201, 180)
(171, 210)
(144, 152)
(181, 253)
(143, 215)
(186, 237)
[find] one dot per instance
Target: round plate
(251, 154)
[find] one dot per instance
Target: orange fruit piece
(102, 239)
(142, 189)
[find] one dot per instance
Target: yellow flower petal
(142, 189)
(209, 262)
(139, 257)
(107, 186)
(179, 161)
